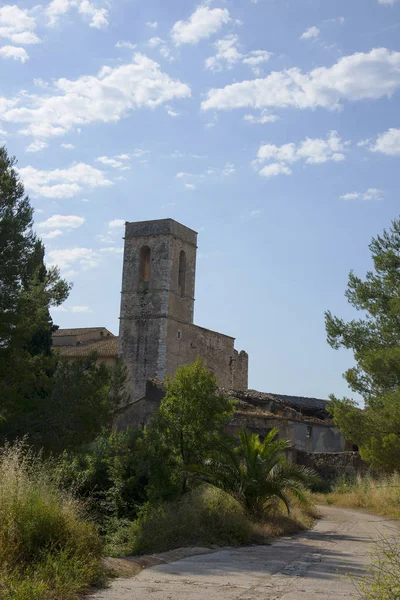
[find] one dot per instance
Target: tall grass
(380, 495)
(383, 579)
(47, 549)
(205, 517)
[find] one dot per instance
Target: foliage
(383, 580)
(105, 474)
(205, 517)
(78, 405)
(191, 420)
(256, 473)
(375, 341)
(45, 543)
(27, 289)
(380, 495)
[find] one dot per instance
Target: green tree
(375, 342)
(191, 419)
(80, 405)
(27, 290)
(256, 473)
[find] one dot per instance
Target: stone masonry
(157, 333)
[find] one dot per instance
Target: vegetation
(380, 495)
(383, 580)
(375, 341)
(256, 473)
(27, 290)
(205, 517)
(190, 421)
(47, 548)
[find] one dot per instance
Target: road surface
(312, 566)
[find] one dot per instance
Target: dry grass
(377, 495)
(207, 517)
(47, 550)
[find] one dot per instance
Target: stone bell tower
(157, 299)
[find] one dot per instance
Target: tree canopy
(375, 340)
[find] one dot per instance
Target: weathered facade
(157, 333)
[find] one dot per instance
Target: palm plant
(256, 473)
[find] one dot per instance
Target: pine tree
(375, 341)
(27, 290)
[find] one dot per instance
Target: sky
(271, 127)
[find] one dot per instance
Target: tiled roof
(79, 331)
(107, 348)
(306, 406)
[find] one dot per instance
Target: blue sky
(270, 127)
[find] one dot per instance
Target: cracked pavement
(309, 565)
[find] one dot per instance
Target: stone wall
(331, 465)
(187, 342)
(304, 434)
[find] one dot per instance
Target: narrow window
(145, 263)
(182, 273)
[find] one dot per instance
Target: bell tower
(158, 284)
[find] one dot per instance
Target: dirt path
(307, 566)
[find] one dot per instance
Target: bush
(383, 581)
(47, 549)
(204, 517)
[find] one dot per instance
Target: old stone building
(157, 335)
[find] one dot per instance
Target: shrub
(383, 580)
(47, 549)
(204, 517)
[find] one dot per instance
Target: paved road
(307, 566)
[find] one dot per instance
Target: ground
(310, 565)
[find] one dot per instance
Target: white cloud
(62, 183)
(388, 142)
(275, 169)
(262, 118)
(111, 162)
(360, 76)
(171, 111)
(386, 1)
(157, 42)
(14, 52)
(370, 194)
(152, 24)
(52, 234)
(112, 250)
(311, 32)
(255, 59)
(36, 146)
(97, 17)
(62, 222)
(227, 54)
(105, 97)
(122, 44)
(311, 151)
(68, 146)
(116, 224)
(190, 186)
(218, 172)
(66, 258)
(72, 309)
(201, 24)
(17, 25)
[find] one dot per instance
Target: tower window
(182, 273)
(144, 271)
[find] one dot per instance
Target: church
(157, 335)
